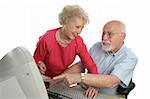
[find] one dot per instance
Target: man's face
(112, 37)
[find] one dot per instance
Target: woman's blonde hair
(71, 11)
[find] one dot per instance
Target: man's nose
(105, 36)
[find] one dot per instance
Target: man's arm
(99, 81)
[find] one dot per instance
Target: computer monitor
(20, 77)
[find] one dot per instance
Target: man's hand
(91, 93)
(68, 78)
(42, 67)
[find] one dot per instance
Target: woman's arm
(75, 68)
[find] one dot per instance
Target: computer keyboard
(61, 91)
(56, 95)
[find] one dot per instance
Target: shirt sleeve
(124, 70)
(85, 57)
(40, 51)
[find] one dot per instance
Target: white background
(23, 21)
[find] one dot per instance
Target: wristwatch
(83, 75)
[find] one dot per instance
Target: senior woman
(57, 48)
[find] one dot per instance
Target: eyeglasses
(110, 34)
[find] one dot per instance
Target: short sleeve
(124, 69)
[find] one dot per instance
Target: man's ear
(123, 35)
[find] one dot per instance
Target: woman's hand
(91, 92)
(69, 79)
(51, 81)
(42, 67)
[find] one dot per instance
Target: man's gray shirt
(120, 64)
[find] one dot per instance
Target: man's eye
(109, 33)
(78, 27)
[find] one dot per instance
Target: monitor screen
(20, 77)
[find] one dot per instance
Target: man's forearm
(101, 81)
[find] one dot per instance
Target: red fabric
(57, 58)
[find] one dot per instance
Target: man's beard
(106, 46)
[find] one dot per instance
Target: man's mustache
(106, 42)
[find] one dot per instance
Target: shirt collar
(122, 47)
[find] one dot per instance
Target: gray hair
(121, 24)
(71, 11)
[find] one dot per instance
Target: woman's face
(72, 28)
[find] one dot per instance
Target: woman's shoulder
(49, 34)
(79, 39)
(53, 30)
